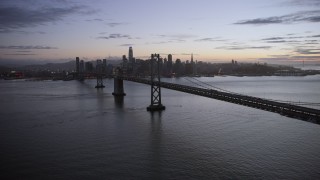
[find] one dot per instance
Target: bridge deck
(290, 110)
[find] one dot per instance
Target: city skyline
(276, 31)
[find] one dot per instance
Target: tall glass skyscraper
(130, 54)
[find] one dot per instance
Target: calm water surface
(70, 130)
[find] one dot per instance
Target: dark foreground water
(70, 130)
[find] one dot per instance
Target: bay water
(70, 130)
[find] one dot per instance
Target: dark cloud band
(303, 16)
(12, 18)
(27, 47)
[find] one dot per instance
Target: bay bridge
(285, 108)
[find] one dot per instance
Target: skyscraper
(77, 64)
(131, 64)
(81, 66)
(169, 64)
(104, 66)
(170, 58)
(192, 64)
(130, 54)
(191, 58)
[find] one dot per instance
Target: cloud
(284, 39)
(302, 3)
(126, 44)
(110, 24)
(114, 24)
(20, 54)
(14, 17)
(307, 57)
(115, 36)
(21, 32)
(177, 36)
(208, 39)
(287, 37)
(273, 39)
(24, 51)
(159, 42)
(280, 56)
(95, 20)
(176, 40)
(315, 36)
(261, 21)
(303, 16)
(27, 47)
(243, 47)
(280, 41)
(308, 51)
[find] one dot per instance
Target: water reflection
(100, 100)
(157, 157)
(118, 100)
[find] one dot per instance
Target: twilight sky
(214, 30)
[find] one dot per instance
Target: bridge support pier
(99, 75)
(118, 87)
(99, 82)
(155, 86)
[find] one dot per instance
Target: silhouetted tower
(81, 67)
(104, 67)
(155, 84)
(130, 55)
(81, 71)
(191, 58)
(77, 65)
(99, 74)
(170, 63)
(131, 62)
(195, 68)
(118, 83)
(192, 65)
(124, 65)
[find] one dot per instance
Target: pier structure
(99, 74)
(118, 83)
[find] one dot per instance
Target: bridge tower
(99, 74)
(155, 84)
(118, 84)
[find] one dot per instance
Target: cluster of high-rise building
(88, 68)
(133, 66)
(138, 67)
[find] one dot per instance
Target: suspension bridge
(285, 108)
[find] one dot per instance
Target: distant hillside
(67, 66)
(49, 64)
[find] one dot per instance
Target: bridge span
(285, 109)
